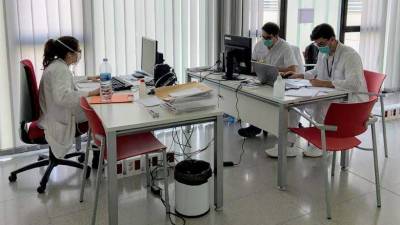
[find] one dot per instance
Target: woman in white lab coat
(338, 66)
(58, 96)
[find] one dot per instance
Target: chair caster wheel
(88, 172)
(12, 177)
(41, 189)
(81, 158)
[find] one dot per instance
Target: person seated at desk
(338, 66)
(272, 50)
(58, 95)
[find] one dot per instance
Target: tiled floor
(250, 193)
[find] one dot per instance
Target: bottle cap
(141, 80)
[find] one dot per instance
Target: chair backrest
(29, 93)
(310, 55)
(299, 58)
(374, 81)
(350, 118)
(94, 120)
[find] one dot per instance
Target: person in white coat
(272, 50)
(58, 96)
(338, 66)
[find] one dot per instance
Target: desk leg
(112, 178)
(282, 142)
(218, 163)
(344, 159)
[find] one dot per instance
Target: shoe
(312, 152)
(290, 151)
(249, 132)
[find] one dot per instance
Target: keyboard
(118, 84)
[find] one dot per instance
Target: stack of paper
(189, 106)
(309, 91)
(297, 83)
(170, 93)
(188, 92)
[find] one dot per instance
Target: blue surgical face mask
(324, 50)
(268, 42)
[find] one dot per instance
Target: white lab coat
(280, 55)
(347, 74)
(59, 105)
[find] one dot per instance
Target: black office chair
(31, 133)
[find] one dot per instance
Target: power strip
(392, 112)
(137, 165)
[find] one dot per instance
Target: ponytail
(49, 53)
(58, 48)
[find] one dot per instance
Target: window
(350, 23)
(271, 11)
(304, 15)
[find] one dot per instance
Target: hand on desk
(292, 75)
(95, 92)
(93, 78)
(321, 83)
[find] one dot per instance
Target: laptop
(266, 74)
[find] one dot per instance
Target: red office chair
(343, 122)
(374, 84)
(31, 133)
(127, 146)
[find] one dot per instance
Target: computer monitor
(149, 55)
(237, 56)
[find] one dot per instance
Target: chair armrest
(313, 122)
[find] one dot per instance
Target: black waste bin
(192, 187)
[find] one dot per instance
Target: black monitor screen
(237, 55)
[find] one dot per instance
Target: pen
(154, 114)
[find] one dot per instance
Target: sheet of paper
(297, 83)
(88, 85)
(304, 92)
(150, 101)
(305, 15)
(187, 92)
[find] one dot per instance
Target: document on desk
(297, 83)
(169, 93)
(150, 101)
(188, 92)
(88, 86)
(308, 91)
(189, 106)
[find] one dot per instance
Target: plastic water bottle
(279, 87)
(142, 89)
(231, 120)
(105, 81)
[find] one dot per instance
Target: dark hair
(271, 28)
(323, 30)
(53, 49)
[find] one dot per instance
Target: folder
(120, 98)
(167, 93)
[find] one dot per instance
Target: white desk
(257, 106)
(128, 118)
